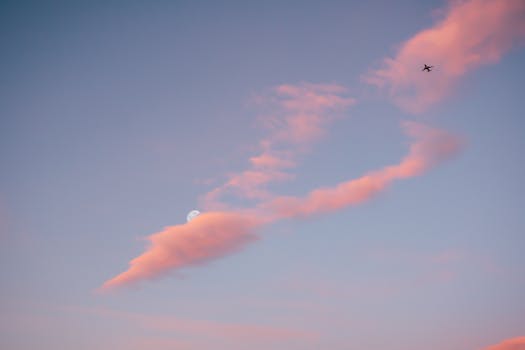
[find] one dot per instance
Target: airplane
(427, 68)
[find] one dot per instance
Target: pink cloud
(472, 33)
(266, 160)
(300, 114)
(308, 97)
(248, 184)
(431, 146)
(305, 111)
(509, 344)
(209, 236)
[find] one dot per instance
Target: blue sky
(116, 118)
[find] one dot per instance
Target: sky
(348, 199)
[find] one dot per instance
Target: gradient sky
(350, 201)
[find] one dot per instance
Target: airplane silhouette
(427, 68)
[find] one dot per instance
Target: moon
(192, 215)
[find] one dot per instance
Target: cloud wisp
(471, 33)
(430, 147)
(299, 117)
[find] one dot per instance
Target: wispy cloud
(471, 33)
(430, 147)
(298, 117)
(509, 344)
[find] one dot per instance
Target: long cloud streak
(431, 147)
(471, 34)
(215, 234)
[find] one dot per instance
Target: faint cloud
(203, 329)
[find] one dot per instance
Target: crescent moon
(192, 215)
